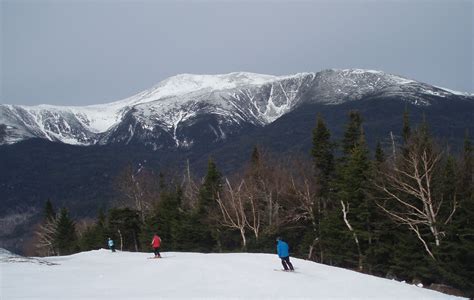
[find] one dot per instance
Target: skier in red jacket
(156, 243)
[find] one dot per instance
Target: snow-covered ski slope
(125, 275)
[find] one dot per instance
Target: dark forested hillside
(82, 177)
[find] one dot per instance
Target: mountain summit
(185, 109)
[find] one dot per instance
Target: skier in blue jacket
(283, 254)
(111, 244)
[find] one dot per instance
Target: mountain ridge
(163, 114)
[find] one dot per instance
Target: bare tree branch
(408, 183)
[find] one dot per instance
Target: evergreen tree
(322, 153)
(383, 239)
(207, 206)
(255, 158)
(448, 184)
(426, 138)
(464, 221)
(352, 190)
(457, 252)
(352, 133)
(256, 167)
(101, 218)
(323, 161)
(192, 235)
(211, 186)
(338, 241)
(95, 236)
(379, 154)
(353, 206)
(199, 229)
(466, 184)
(65, 239)
(49, 212)
(406, 261)
(124, 225)
(165, 219)
(406, 131)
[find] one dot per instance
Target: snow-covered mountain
(101, 274)
(184, 109)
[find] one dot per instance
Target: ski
(286, 271)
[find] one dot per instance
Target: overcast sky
(97, 51)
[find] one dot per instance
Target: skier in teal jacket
(111, 244)
(284, 255)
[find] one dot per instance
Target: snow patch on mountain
(187, 83)
(395, 78)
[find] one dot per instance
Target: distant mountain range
(72, 155)
(185, 110)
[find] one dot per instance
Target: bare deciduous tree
(345, 211)
(190, 189)
(410, 197)
(264, 180)
(307, 206)
(271, 186)
(253, 219)
(138, 188)
(46, 235)
(232, 206)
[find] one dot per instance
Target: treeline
(405, 211)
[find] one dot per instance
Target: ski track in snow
(101, 275)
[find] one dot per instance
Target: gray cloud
(87, 52)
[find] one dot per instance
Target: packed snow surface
(125, 275)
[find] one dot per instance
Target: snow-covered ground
(125, 275)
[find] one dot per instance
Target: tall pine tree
(323, 160)
(379, 154)
(211, 186)
(49, 212)
(207, 228)
(456, 254)
(352, 192)
(352, 133)
(65, 239)
(323, 157)
(406, 130)
(353, 208)
(165, 219)
(95, 236)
